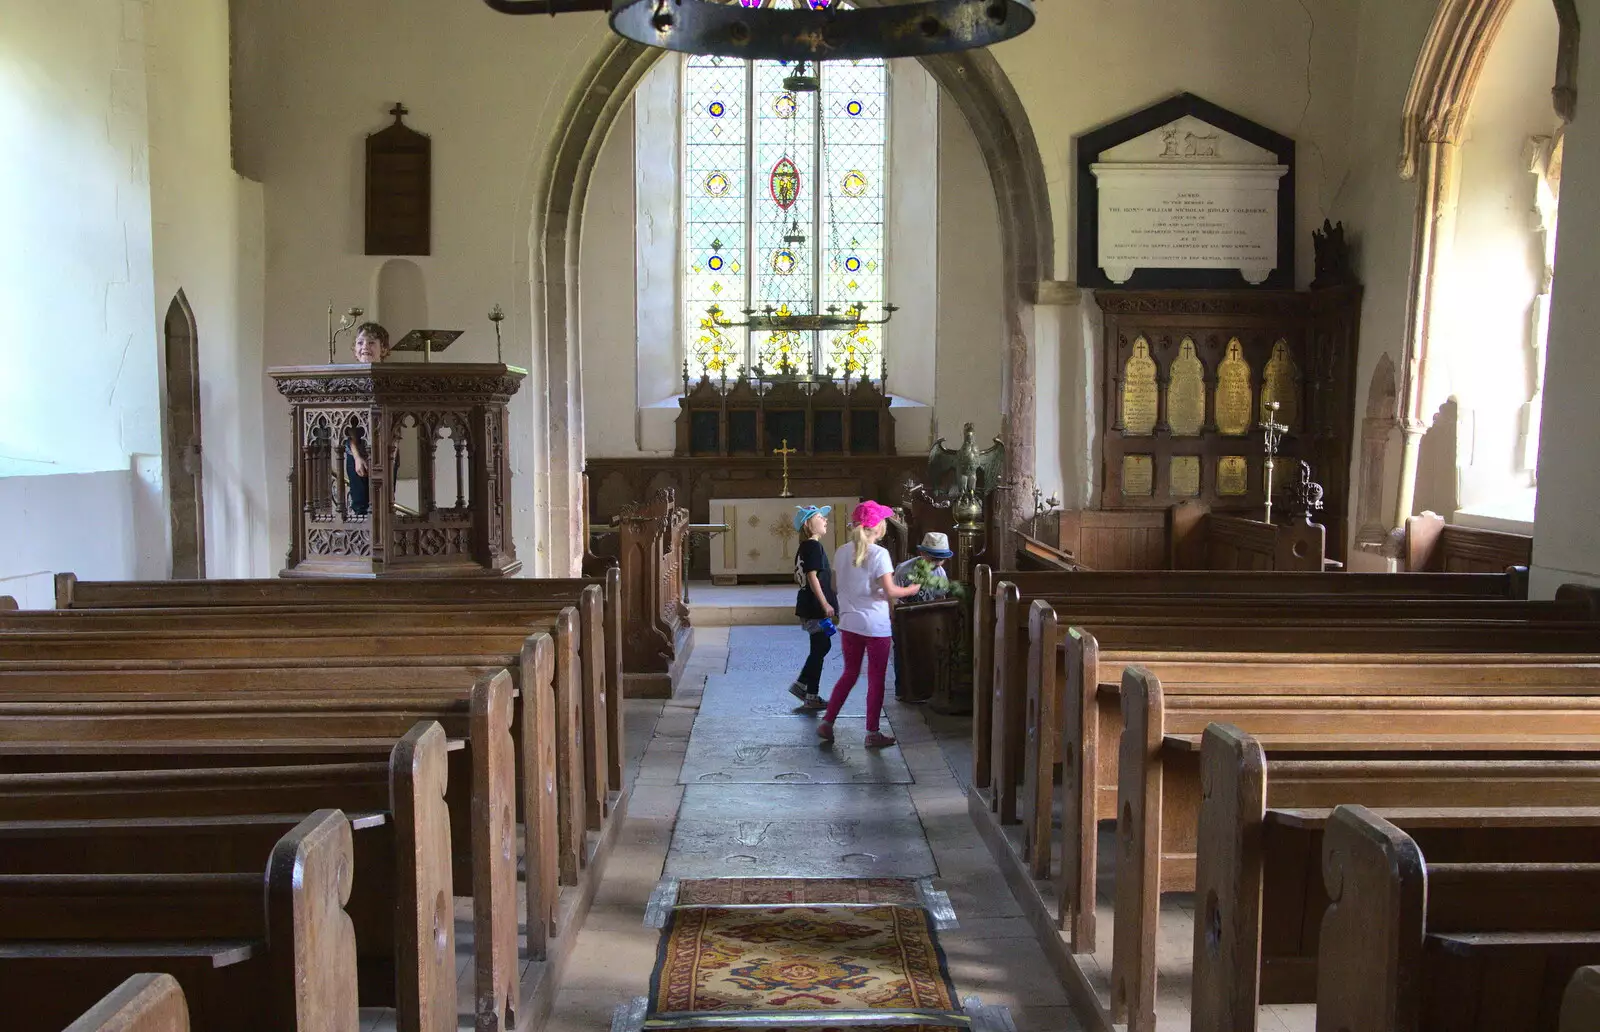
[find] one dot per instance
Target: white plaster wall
(201, 214)
(971, 350)
(912, 338)
(78, 394)
(1566, 545)
(1496, 261)
(1283, 64)
(658, 155)
(311, 79)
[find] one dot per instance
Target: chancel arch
(982, 95)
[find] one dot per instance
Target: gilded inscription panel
(1139, 392)
(1186, 392)
(1233, 476)
(1138, 476)
(1280, 382)
(1233, 392)
(1183, 476)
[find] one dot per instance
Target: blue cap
(805, 512)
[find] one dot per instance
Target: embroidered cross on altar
(785, 451)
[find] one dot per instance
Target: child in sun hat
(816, 603)
(865, 583)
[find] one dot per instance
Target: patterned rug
(780, 891)
(784, 958)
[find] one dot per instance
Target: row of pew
(277, 792)
(1288, 748)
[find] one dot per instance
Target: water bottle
(827, 627)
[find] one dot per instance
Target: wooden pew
(597, 644)
(1074, 717)
(287, 962)
(551, 729)
(1001, 601)
(198, 817)
(490, 593)
(1187, 536)
(144, 1003)
(1412, 943)
(1159, 790)
(132, 732)
(1580, 1008)
(1290, 623)
(1433, 546)
(1261, 836)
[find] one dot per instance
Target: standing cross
(1272, 436)
(399, 111)
(785, 451)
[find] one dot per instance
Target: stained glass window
(784, 209)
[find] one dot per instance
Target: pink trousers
(877, 651)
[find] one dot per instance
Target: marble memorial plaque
(1188, 196)
(1233, 476)
(1233, 392)
(1280, 382)
(1139, 392)
(1183, 476)
(1138, 476)
(1186, 393)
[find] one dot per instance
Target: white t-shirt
(863, 605)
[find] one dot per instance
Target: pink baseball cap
(869, 514)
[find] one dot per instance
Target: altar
(760, 541)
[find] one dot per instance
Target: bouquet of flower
(926, 575)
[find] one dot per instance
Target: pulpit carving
(429, 500)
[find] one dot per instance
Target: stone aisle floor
(729, 781)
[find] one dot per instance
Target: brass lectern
(400, 469)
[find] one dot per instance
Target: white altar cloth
(761, 539)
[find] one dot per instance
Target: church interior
(498, 436)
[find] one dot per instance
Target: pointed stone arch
(1433, 120)
(184, 471)
(979, 88)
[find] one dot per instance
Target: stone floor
(730, 782)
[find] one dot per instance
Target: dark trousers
(811, 673)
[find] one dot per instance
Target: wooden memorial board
(399, 189)
(1186, 374)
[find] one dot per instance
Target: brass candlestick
(785, 451)
(1272, 436)
(497, 315)
(347, 322)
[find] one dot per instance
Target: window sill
(1513, 515)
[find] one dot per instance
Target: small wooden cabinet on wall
(1186, 377)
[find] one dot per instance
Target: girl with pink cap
(864, 582)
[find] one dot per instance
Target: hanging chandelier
(814, 30)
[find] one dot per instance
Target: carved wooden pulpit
(435, 501)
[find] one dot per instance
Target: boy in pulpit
(371, 345)
(926, 571)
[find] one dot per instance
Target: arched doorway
(181, 430)
(983, 94)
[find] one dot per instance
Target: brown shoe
(878, 741)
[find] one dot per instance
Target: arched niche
(985, 97)
(402, 297)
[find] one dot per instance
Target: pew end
(1376, 882)
(1580, 1007)
(1227, 922)
(311, 940)
(147, 1002)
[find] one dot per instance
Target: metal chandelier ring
(831, 33)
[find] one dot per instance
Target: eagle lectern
(400, 469)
